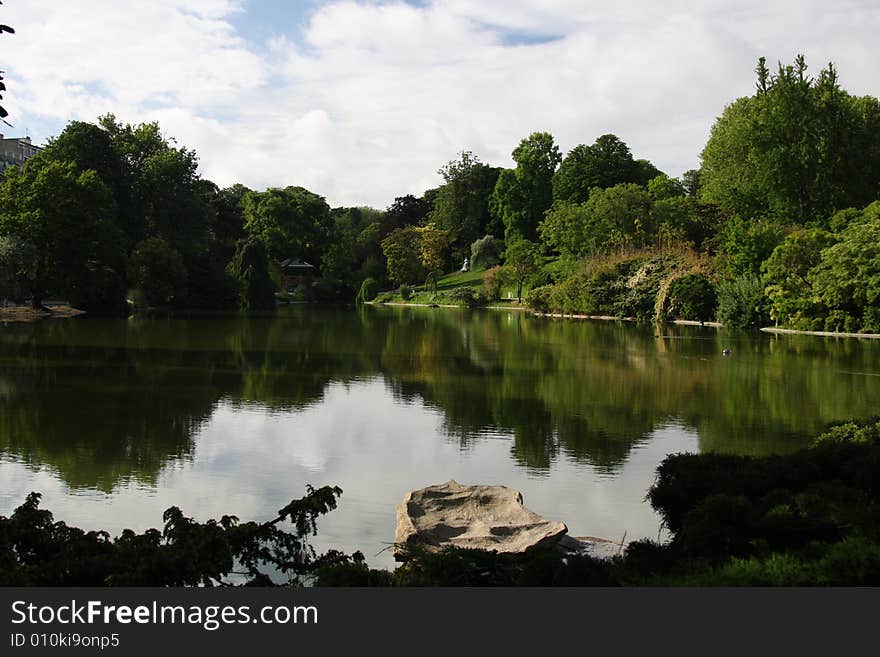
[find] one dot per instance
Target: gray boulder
(472, 517)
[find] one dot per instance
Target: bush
(741, 302)
(492, 284)
(405, 292)
(369, 290)
(35, 550)
(692, 297)
(467, 296)
(538, 298)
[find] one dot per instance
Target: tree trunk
(37, 302)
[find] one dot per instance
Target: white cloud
(371, 98)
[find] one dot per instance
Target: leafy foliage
(606, 163)
(156, 269)
(521, 261)
(68, 217)
(741, 302)
(369, 290)
(35, 550)
(847, 278)
(461, 207)
(17, 268)
(250, 269)
(798, 149)
(291, 222)
(486, 252)
(467, 296)
(786, 275)
(692, 297)
(522, 195)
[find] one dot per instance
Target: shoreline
(21, 314)
(608, 318)
(821, 334)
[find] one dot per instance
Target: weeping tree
(250, 268)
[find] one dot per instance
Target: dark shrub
(467, 296)
(692, 297)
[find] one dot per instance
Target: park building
(15, 151)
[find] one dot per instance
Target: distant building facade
(15, 151)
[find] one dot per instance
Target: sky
(363, 101)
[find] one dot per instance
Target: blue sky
(362, 101)
(263, 19)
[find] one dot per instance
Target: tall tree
(522, 195)
(522, 260)
(605, 163)
(250, 268)
(405, 211)
(798, 149)
(403, 255)
(68, 216)
(290, 221)
(461, 206)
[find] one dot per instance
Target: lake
(115, 420)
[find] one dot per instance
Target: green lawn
(473, 278)
(461, 279)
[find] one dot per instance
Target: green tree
(462, 204)
(798, 149)
(250, 268)
(402, 253)
(522, 260)
(605, 163)
(741, 302)
(91, 147)
(617, 217)
(486, 252)
(157, 271)
(690, 181)
(786, 276)
(847, 278)
(292, 222)
(747, 244)
(404, 211)
(522, 195)
(68, 216)
(18, 258)
(663, 187)
(166, 188)
(692, 297)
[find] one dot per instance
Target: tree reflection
(104, 402)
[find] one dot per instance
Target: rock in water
(472, 517)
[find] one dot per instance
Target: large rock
(476, 517)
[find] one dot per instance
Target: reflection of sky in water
(250, 462)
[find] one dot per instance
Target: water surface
(116, 420)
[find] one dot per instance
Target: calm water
(116, 420)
